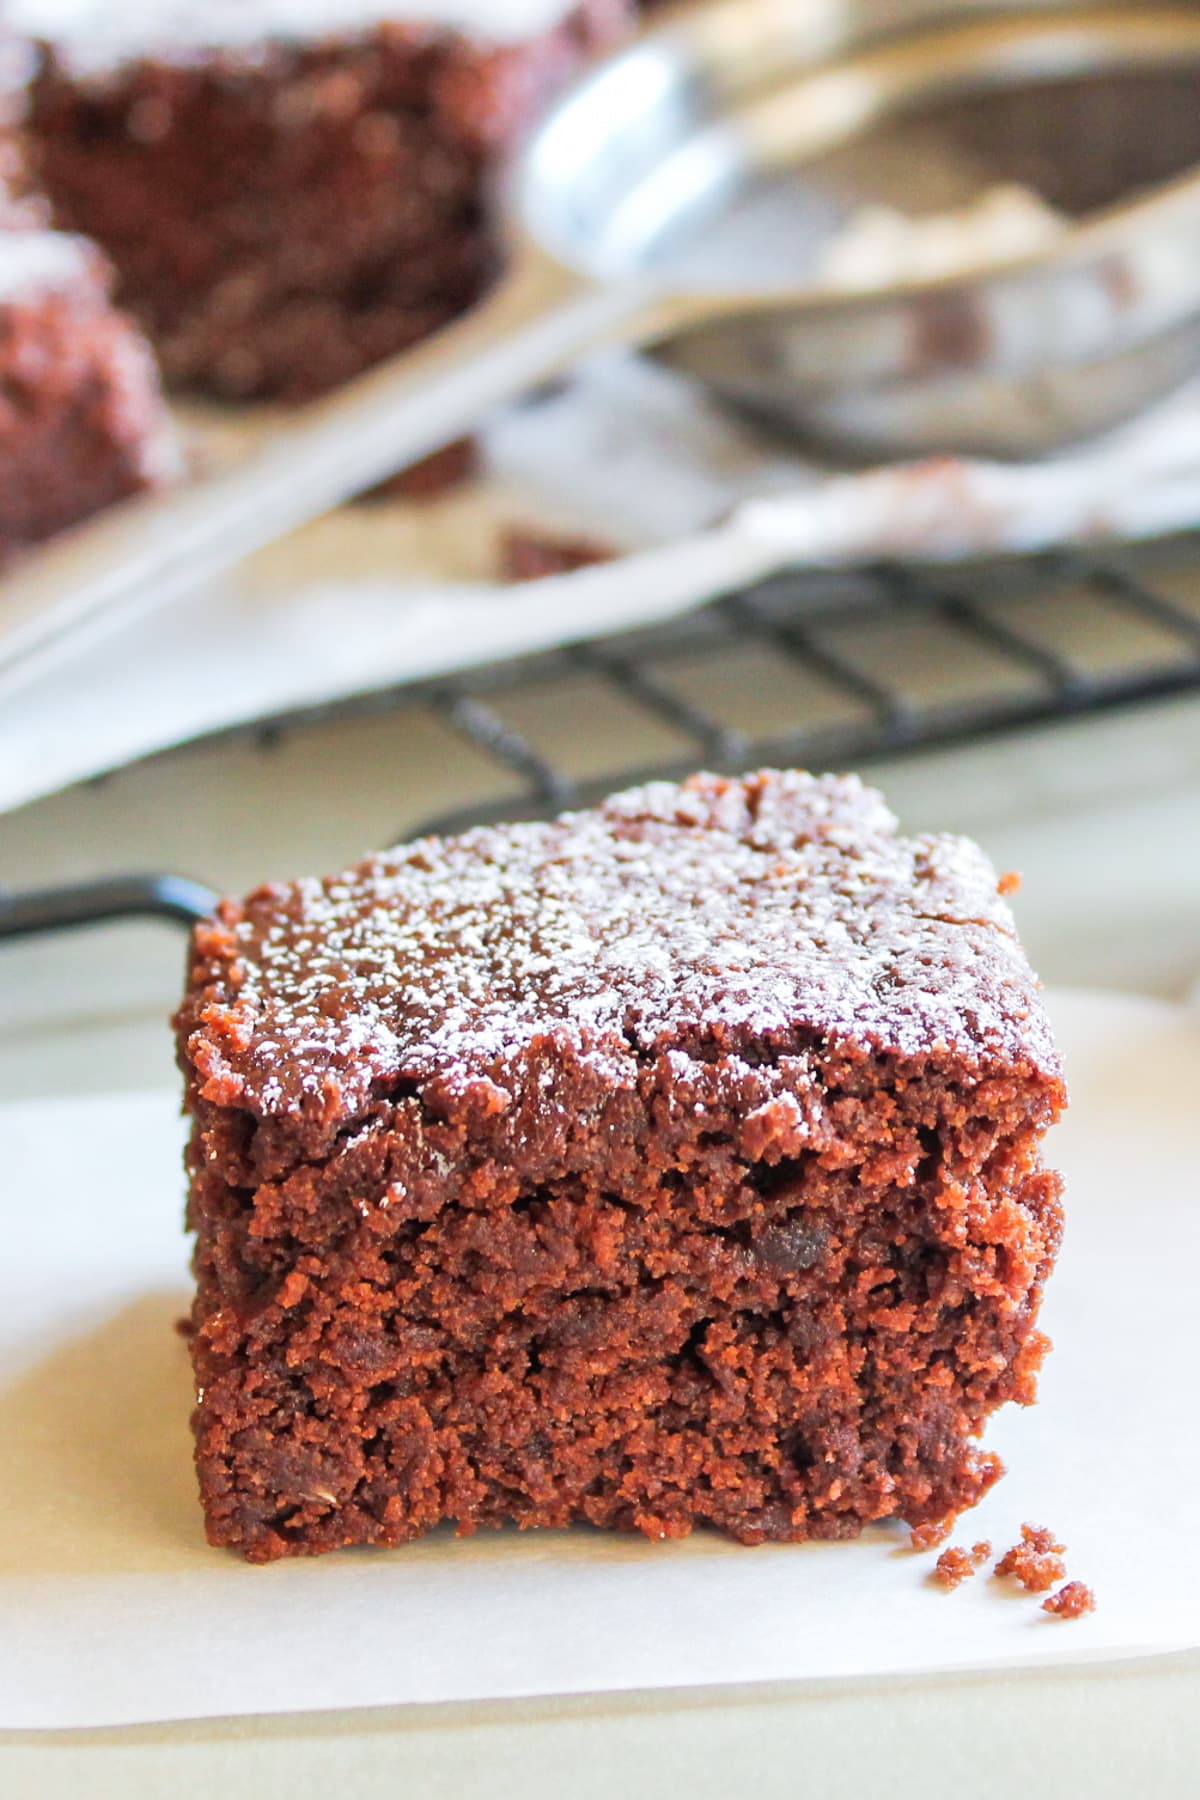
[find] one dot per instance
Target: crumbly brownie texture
(1041, 1540)
(1036, 1562)
(288, 208)
(82, 420)
(674, 1163)
(953, 1567)
(1071, 1601)
(956, 1565)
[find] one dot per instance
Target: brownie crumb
(1036, 1562)
(1045, 1542)
(928, 1537)
(953, 1567)
(435, 475)
(527, 555)
(1070, 1602)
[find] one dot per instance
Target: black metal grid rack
(837, 651)
(823, 626)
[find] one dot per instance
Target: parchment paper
(113, 1610)
(631, 454)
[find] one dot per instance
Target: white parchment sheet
(114, 1611)
(630, 454)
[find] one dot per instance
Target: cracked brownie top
(751, 918)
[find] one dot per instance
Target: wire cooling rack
(807, 669)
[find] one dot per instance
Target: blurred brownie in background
(82, 420)
(529, 554)
(291, 190)
(82, 417)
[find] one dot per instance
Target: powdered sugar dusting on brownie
(39, 262)
(783, 911)
(95, 35)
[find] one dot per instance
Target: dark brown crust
(772, 1285)
(82, 420)
(279, 223)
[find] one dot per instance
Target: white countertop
(1102, 817)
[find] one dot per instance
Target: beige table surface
(1103, 817)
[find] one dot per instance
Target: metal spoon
(640, 157)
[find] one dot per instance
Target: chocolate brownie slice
(670, 1164)
(292, 189)
(82, 419)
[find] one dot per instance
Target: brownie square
(291, 190)
(82, 418)
(675, 1163)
